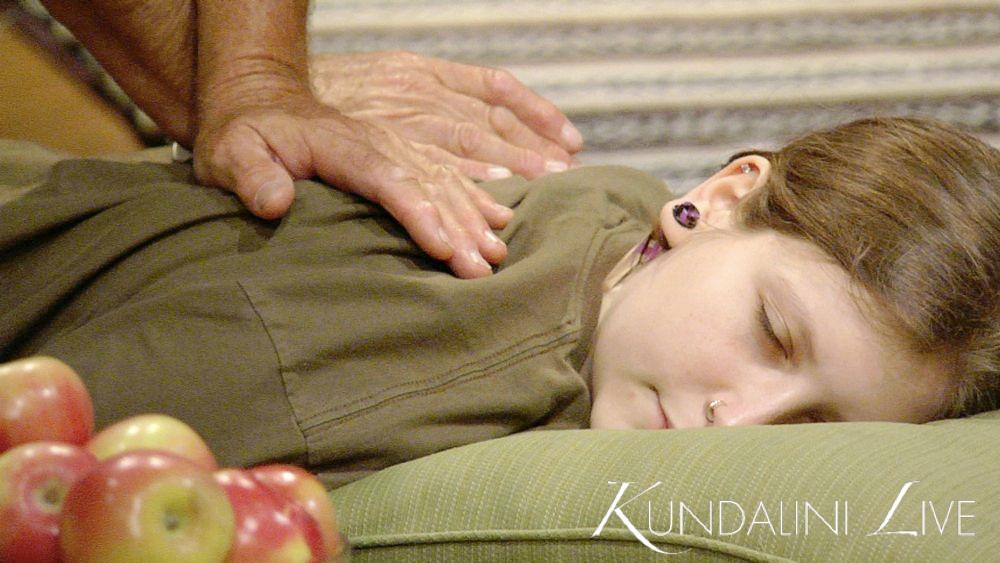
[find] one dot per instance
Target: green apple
(152, 432)
(148, 507)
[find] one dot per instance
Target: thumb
(264, 186)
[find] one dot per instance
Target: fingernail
(505, 212)
(265, 195)
(555, 166)
(571, 135)
(493, 238)
(444, 238)
(498, 172)
(477, 258)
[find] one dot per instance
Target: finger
(514, 131)
(496, 215)
(373, 176)
(483, 171)
(471, 141)
(250, 169)
(467, 262)
(458, 203)
(500, 87)
(420, 217)
(468, 141)
(343, 155)
(404, 201)
(419, 194)
(496, 119)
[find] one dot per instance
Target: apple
(305, 489)
(269, 526)
(43, 399)
(34, 480)
(146, 506)
(152, 432)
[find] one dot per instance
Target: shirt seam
(466, 376)
(281, 371)
(509, 356)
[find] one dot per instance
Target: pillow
(867, 492)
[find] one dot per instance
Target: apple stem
(51, 496)
(171, 522)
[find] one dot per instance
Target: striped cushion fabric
(814, 492)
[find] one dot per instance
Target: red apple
(305, 489)
(34, 480)
(146, 506)
(42, 399)
(269, 527)
(152, 432)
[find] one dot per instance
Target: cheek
(647, 338)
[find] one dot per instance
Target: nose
(761, 405)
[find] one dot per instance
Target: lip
(664, 421)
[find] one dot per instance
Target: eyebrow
(794, 302)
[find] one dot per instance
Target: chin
(600, 421)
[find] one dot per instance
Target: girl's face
(694, 325)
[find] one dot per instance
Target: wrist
(250, 83)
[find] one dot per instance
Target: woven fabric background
(675, 86)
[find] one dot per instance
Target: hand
(258, 150)
(482, 121)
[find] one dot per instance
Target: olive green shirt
(326, 339)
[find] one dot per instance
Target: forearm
(250, 54)
(148, 46)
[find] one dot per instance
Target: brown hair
(910, 208)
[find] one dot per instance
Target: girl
(852, 275)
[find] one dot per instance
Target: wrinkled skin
(232, 81)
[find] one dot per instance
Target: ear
(716, 197)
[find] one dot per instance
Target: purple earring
(686, 215)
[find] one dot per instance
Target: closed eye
(765, 325)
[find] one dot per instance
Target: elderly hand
(258, 150)
(482, 121)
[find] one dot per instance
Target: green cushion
(540, 496)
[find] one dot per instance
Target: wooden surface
(41, 102)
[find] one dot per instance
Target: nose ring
(710, 409)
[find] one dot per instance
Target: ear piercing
(686, 215)
(710, 409)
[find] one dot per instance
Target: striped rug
(673, 87)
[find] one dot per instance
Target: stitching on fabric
(464, 376)
(281, 370)
(448, 375)
(463, 373)
(508, 356)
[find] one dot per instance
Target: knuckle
(401, 80)
(430, 187)
(449, 171)
(501, 118)
(402, 56)
(468, 138)
(410, 212)
(459, 233)
(501, 80)
(528, 160)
